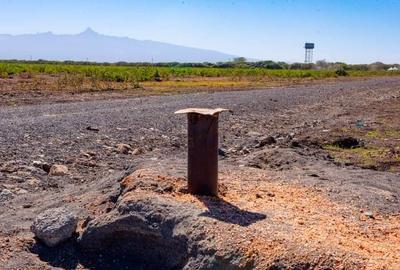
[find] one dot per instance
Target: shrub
(341, 72)
(157, 76)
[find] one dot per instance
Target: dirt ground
(322, 160)
(41, 89)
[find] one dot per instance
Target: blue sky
(353, 31)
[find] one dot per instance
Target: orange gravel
(301, 222)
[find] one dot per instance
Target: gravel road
(85, 136)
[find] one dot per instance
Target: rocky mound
(156, 223)
(257, 223)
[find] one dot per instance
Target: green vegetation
(379, 149)
(140, 72)
(149, 73)
(379, 134)
(341, 72)
(368, 157)
(363, 152)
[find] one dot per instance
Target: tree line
(239, 62)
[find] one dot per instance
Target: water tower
(309, 52)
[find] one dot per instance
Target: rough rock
(221, 152)
(123, 148)
(156, 230)
(137, 151)
(144, 227)
(369, 214)
(294, 144)
(266, 141)
(9, 167)
(42, 165)
(6, 195)
(16, 178)
(33, 182)
(58, 170)
(95, 129)
(54, 226)
(20, 191)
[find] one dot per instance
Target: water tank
(309, 45)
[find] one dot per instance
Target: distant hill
(92, 46)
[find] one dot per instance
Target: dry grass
(222, 83)
(80, 84)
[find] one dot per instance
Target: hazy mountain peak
(89, 31)
(93, 46)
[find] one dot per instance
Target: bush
(341, 72)
(157, 76)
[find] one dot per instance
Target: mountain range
(92, 46)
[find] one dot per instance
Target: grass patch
(381, 158)
(383, 134)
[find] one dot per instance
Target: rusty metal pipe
(203, 154)
(202, 151)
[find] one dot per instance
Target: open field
(309, 178)
(31, 83)
(130, 74)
